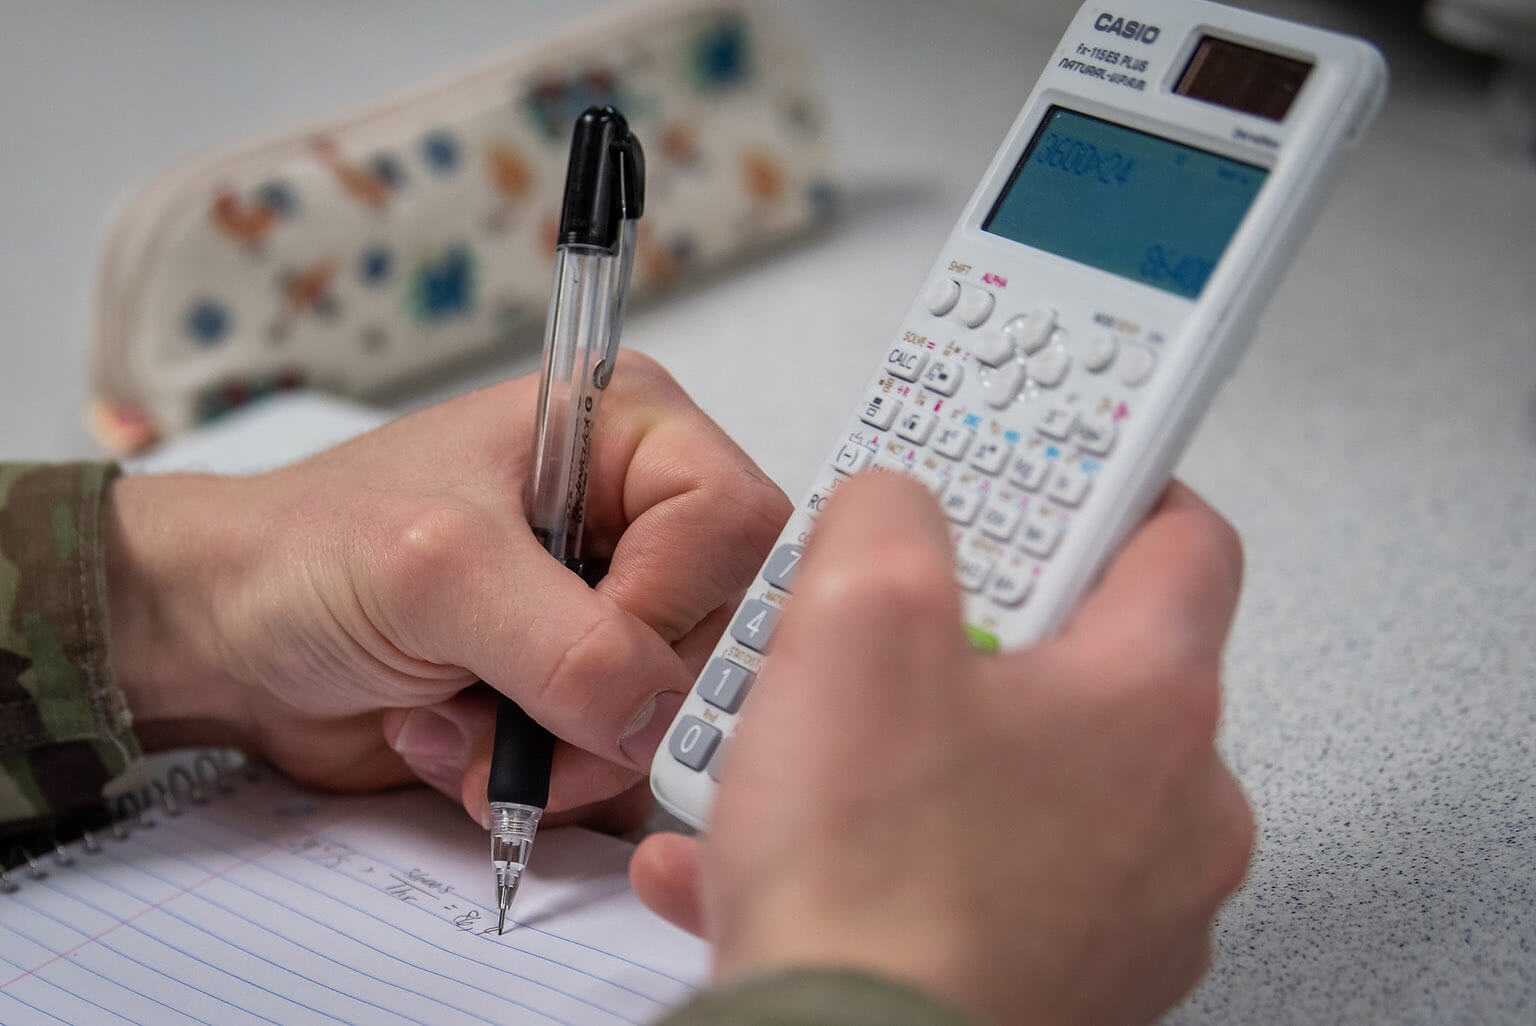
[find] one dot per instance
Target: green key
(984, 640)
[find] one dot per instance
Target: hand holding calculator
(1102, 280)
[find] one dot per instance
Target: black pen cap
(604, 182)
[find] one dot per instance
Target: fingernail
(428, 738)
(644, 733)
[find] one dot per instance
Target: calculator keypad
(1006, 411)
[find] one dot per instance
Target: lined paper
(275, 906)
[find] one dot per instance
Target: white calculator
(1102, 281)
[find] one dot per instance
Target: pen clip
(630, 160)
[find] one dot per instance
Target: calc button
(1039, 539)
(990, 457)
(960, 505)
(1028, 470)
(1004, 384)
(971, 571)
(779, 571)
(993, 347)
(1095, 436)
(1069, 486)
(1013, 582)
(754, 624)
(1136, 364)
(693, 742)
(1100, 351)
(942, 377)
(915, 426)
(724, 685)
(941, 296)
(999, 521)
(975, 307)
(879, 410)
(850, 458)
(905, 362)
(1032, 330)
(952, 441)
(1049, 366)
(1055, 422)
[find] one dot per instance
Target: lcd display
(1242, 78)
(1125, 201)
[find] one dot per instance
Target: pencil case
(359, 253)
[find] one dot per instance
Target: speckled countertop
(1377, 448)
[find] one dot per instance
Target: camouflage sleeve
(815, 997)
(65, 740)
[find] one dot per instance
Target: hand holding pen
(604, 196)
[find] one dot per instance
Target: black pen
(604, 195)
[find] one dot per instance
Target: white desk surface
(1377, 449)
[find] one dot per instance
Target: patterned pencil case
(357, 254)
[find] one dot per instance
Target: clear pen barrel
(577, 334)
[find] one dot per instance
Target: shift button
(941, 296)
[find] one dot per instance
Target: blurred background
(1377, 448)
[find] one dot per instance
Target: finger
(875, 598)
(1170, 595)
(487, 597)
(448, 746)
(694, 647)
(664, 872)
(622, 814)
(692, 517)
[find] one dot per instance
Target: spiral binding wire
(193, 783)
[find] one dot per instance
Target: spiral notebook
(268, 903)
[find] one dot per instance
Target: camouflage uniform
(66, 743)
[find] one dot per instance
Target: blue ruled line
(489, 965)
(187, 954)
(319, 954)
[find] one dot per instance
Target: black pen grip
(520, 757)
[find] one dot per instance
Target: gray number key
(693, 741)
(754, 624)
(724, 684)
(780, 568)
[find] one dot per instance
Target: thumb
(664, 872)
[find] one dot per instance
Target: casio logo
(1136, 30)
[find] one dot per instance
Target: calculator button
(1068, 485)
(879, 410)
(1136, 365)
(975, 307)
(779, 571)
(960, 505)
(1033, 329)
(1055, 422)
(754, 624)
(890, 464)
(993, 347)
(1004, 384)
(693, 742)
(851, 458)
(1028, 470)
(941, 296)
(952, 441)
(816, 500)
(1095, 436)
(990, 457)
(971, 571)
(1049, 366)
(718, 761)
(724, 685)
(942, 377)
(915, 426)
(905, 362)
(1100, 351)
(999, 521)
(1039, 538)
(1013, 582)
